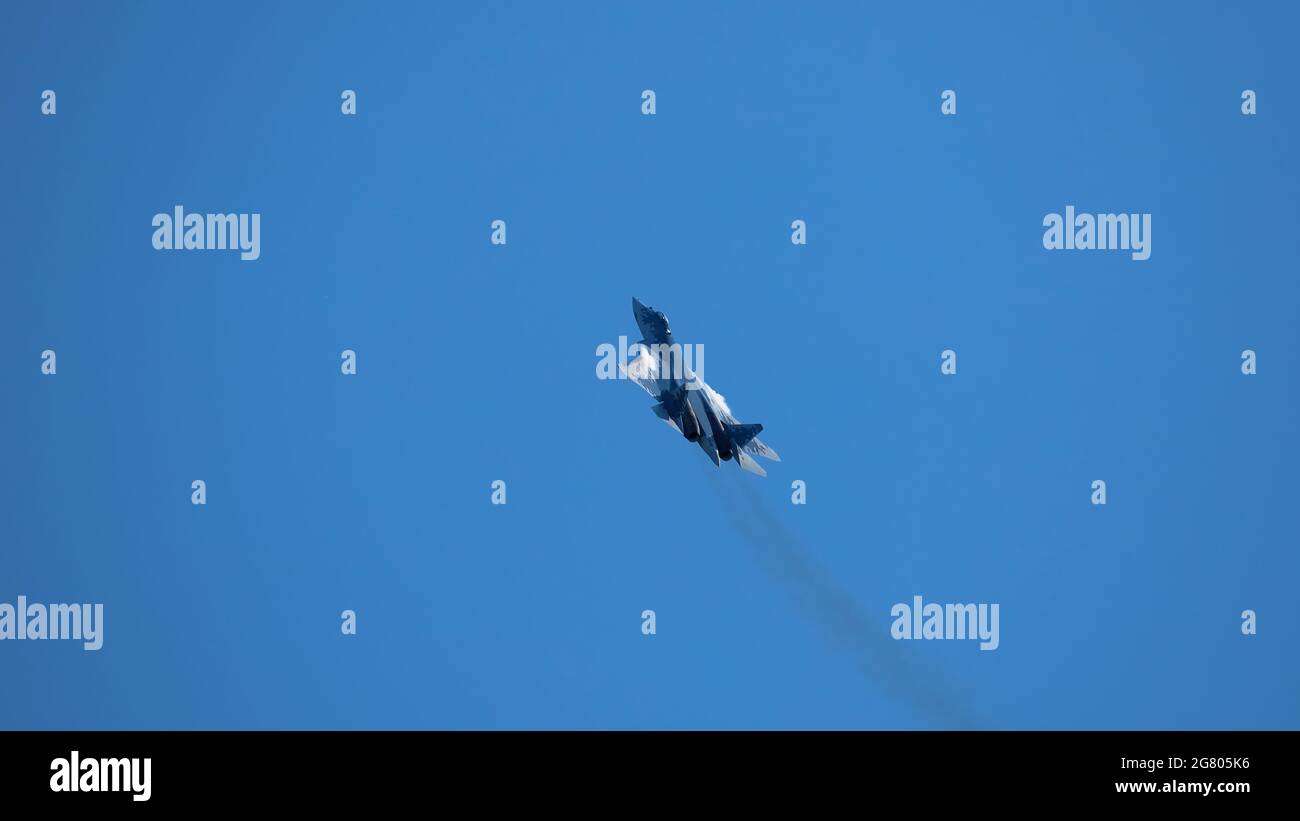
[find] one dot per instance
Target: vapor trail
(880, 658)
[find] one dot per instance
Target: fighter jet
(686, 402)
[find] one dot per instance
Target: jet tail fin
(757, 448)
(747, 462)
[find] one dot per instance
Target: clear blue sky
(477, 363)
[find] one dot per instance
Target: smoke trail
(878, 656)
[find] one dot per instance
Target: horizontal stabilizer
(662, 413)
(742, 434)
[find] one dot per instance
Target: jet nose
(641, 313)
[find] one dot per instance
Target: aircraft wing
(644, 371)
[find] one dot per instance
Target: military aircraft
(686, 402)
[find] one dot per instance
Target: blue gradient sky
(477, 363)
